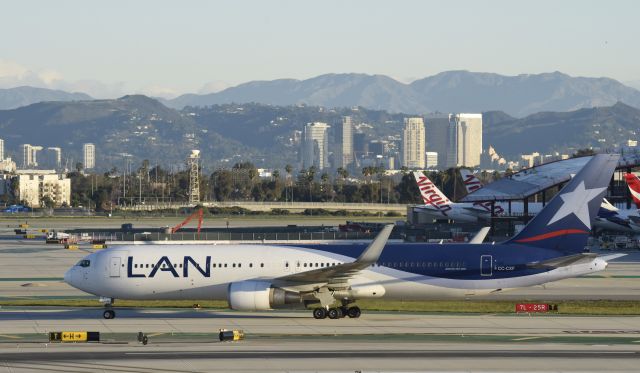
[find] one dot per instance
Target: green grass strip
(577, 307)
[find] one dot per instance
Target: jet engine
(253, 295)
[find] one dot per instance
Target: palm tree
(288, 168)
(343, 174)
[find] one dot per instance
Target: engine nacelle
(253, 295)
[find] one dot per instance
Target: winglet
(371, 254)
(480, 236)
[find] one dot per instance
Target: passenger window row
(213, 265)
(422, 264)
(316, 265)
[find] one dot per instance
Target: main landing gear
(337, 312)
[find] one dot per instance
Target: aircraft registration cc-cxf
(331, 278)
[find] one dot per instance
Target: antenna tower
(194, 176)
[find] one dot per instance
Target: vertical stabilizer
(431, 195)
(564, 224)
(634, 187)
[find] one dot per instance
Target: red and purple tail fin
(431, 195)
(564, 224)
(472, 183)
(634, 187)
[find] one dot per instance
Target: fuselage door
(114, 266)
(486, 265)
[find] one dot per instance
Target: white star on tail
(577, 203)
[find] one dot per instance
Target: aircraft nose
(68, 277)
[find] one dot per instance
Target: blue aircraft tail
(564, 224)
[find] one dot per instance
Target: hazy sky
(108, 48)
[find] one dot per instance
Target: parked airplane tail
(564, 224)
(634, 187)
(430, 193)
(471, 182)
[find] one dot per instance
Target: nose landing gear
(108, 313)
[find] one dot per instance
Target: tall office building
(413, 143)
(1, 150)
(344, 143)
(360, 144)
(469, 138)
(30, 155)
(53, 158)
(437, 137)
(27, 156)
(89, 155)
(315, 151)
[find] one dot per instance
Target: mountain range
(11, 98)
(452, 91)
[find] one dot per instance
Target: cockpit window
(84, 263)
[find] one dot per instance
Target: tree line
(242, 182)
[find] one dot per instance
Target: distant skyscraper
(315, 148)
(89, 155)
(360, 144)
(437, 137)
(54, 158)
(344, 143)
(451, 154)
(413, 143)
(27, 155)
(30, 155)
(1, 149)
(469, 136)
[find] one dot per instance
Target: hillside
(600, 127)
(453, 91)
(135, 125)
(270, 135)
(12, 98)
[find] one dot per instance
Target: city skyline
(174, 60)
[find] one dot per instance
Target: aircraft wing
(563, 261)
(337, 276)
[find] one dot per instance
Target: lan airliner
(331, 278)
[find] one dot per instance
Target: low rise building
(34, 187)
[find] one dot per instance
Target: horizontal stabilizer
(610, 257)
(563, 261)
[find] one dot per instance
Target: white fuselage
(142, 272)
(474, 211)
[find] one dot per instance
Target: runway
(186, 339)
(25, 320)
(322, 355)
